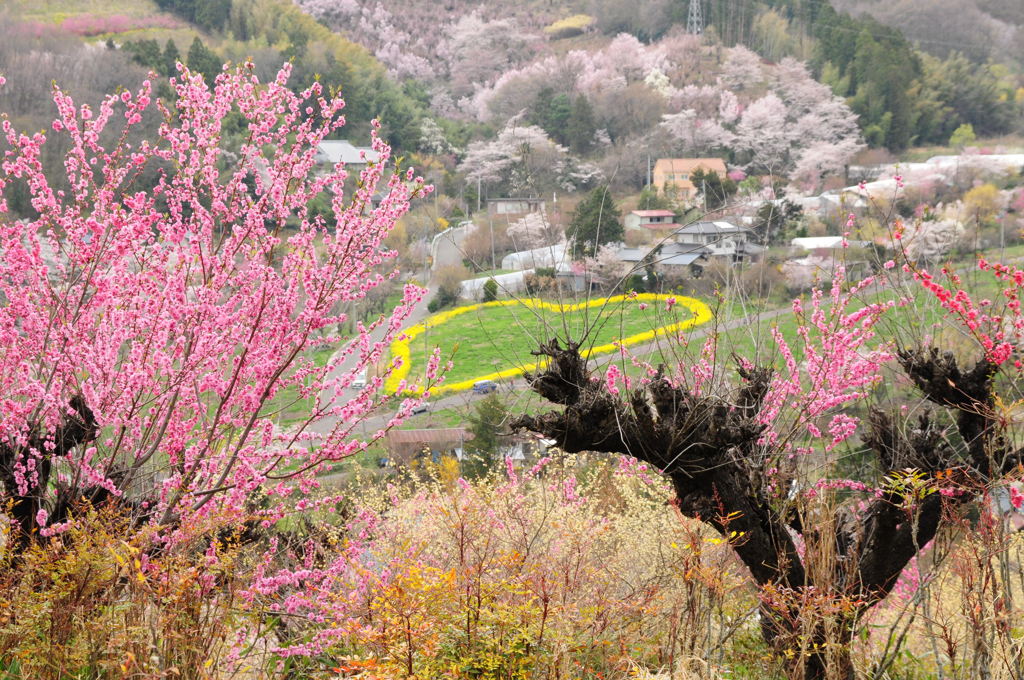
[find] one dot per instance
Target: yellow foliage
(554, 577)
(91, 602)
(569, 26)
(982, 202)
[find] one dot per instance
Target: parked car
(484, 387)
(359, 382)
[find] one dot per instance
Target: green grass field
(493, 339)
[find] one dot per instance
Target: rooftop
(343, 151)
(654, 213)
(690, 164)
(716, 227)
(680, 260)
(440, 435)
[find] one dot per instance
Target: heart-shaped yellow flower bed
(648, 305)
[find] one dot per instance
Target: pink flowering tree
(751, 455)
(154, 337)
(606, 268)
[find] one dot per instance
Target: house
(404, 446)
(722, 239)
(671, 258)
(651, 221)
(514, 206)
(675, 173)
(334, 151)
(521, 449)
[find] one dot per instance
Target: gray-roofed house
(670, 258)
(722, 239)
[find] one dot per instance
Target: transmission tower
(695, 21)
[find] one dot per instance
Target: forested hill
(903, 96)
(53, 41)
(983, 30)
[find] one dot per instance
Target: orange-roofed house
(675, 172)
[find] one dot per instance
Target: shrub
(490, 290)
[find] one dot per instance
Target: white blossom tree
(534, 230)
(742, 68)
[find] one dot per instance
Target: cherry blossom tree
(742, 68)
(534, 230)
(822, 159)
(697, 136)
(606, 268)
(524, 158)
(932, 240)
(798, 126)
(763, 133)
(154, 337)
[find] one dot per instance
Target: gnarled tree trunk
(709, 447)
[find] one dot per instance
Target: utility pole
(490, 221)
(695, 20)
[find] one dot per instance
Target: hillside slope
(268, 31)
(983, 30)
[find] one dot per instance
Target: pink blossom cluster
(997, 333)
(839, 365)
(89, 24)
(184, 314)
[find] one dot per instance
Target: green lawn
(58, 10)
(493, 339)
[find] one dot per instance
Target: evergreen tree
(580, 127)
(211, 14)
(777, 221)
(551, 113)
(595, 222)
(717, 191)
(490, 292)
(146, 53)
(486, 422)
(171, 57)
(202, 60)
